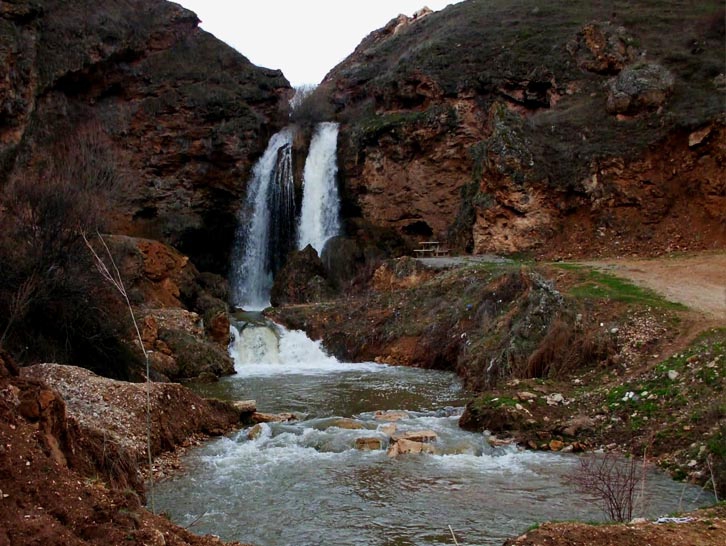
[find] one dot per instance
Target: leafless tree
(611, 482)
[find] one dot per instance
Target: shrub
(53, 304)
(611, 482)
(310, 106)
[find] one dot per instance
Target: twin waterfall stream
(303, 482)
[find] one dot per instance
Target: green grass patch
(598, 285)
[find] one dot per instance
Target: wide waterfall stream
(303, 483)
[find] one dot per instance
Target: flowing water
(262, 240)
(319, 216)
(303, 483)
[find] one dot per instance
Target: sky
(303, 38)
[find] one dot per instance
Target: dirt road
(698, 282)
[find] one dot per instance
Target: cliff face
(506, 126)
(179, 115)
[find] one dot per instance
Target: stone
(255, 432)
(424, 436)
(391, 415)
(555, 399)
(697, 137)
(302, 279)
(368, 444)
(645, 86)
(556, 445)
(245, 406)
(258, 417)
(409, 447)
(388, 429)
(577, 425)
(499, 442)
(526, 396)
(673, 375)
(348, 424)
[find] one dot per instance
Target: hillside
(177, 116)
(562, 130)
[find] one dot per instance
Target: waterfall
(319, 217)
(266, 224)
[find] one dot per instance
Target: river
(303, 483)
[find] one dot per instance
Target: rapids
(303, 483)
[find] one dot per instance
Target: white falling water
(319, 217)
(251, 274)
(271, 350)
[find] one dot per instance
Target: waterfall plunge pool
(303, 483)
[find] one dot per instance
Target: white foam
(274, 350)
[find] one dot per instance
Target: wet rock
(424, 436)
(499, 442)
(341, 257)
(409, 447)
(255, 432)
(245, 406)
(259, 417)
(391, 415)
(368, 444)
(556, 445)
(207, 377)
(348, 424)
(388, 429)
(302, 279)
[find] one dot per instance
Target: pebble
(672, 375)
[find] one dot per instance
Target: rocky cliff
(178, 116)
(505, 126)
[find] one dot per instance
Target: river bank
(563, 354)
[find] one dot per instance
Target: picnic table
(430, 248)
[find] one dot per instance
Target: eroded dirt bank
(70, 463)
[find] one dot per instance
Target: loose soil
(699, 281)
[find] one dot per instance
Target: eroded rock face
(183, 114)
(302, 279)
(490, 140)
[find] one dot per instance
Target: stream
(303, 483)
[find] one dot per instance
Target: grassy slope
(476, 46)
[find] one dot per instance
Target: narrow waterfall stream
(264, 233)
(304, 482)
(319, 218)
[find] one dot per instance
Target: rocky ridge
(568, 131)
(180, 115)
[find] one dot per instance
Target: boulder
(409, 447)
(578, 424)
(641, 87)
(388, 429)
(344, 423)
(255, 432)
(258, 417)
(341, 257)
(301, 280)
(195, 355)
(368, 444)
(424, 436)
(603, 48)
(245, 406)
(391, 415)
